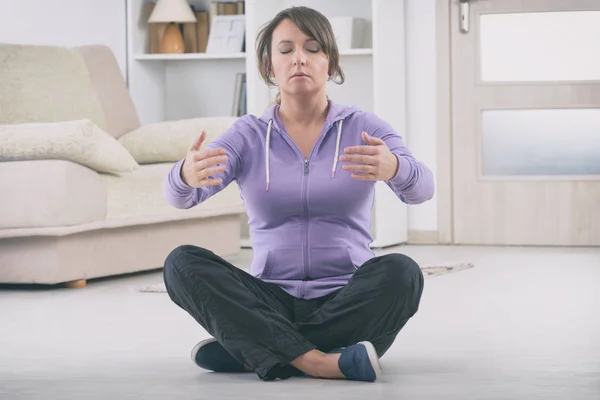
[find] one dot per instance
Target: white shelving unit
(189, 56)
(205, 56)
(171, 87)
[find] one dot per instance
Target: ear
(269, 70)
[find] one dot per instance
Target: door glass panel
(541, 46)
(541, 142)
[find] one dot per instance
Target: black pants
(265, 328)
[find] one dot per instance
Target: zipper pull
(306, 166)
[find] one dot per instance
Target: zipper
(306, 242)
(306, 267)
(304, 190)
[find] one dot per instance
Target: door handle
(464, 15)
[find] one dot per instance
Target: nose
(298, 58)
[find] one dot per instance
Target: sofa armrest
(49, 193)
(170, 141)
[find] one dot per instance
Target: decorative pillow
(170, 141)
(79, 141)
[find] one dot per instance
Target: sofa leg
(79, 284)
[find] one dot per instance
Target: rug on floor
(428, 272)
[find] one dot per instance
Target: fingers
(363, 168)
(359, 158)
(205, 177)
(364, 177)
(206, 153)
(366, 150)
(372, 140)
(210, 182)
(208, 162)
(198, 142)
(365, 165)
(205, 173)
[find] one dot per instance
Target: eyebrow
(289, 41)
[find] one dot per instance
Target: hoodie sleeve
(180, 195)
(413, 182)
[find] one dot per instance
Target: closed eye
(309, 50)
(311, 46)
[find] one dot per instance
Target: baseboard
(423, 237)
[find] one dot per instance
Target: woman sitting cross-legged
(317, 301)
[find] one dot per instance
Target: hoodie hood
(336, 113)
(335, 116)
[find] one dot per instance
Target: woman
(316, 302)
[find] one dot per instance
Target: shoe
(210, 355)
(290, 371)
(360, 362)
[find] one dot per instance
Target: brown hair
(314, 25)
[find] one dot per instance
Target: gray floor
(523, 324)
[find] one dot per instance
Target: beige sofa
(81, 181)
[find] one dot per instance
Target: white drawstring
(267, 145)
(337, 149)
(267, 150)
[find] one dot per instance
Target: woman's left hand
(374, 162)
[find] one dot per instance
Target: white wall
(65, 23)
(79, 22)
(421, 100)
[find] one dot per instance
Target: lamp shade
(167, 11)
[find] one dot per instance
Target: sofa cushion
(46, 84)
(79, 141)
(130, 199)
(170, 141)
(138, 195)
(49, 194)
(119, 111)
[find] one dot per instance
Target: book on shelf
(190, 37)
(227, 8)
(202, 30)
(239, 95)
(243, 102)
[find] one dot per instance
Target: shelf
(356, 52)
(190, 56)
(230, 56)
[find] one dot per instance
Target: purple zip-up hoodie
(308, 219)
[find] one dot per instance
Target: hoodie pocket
(283, 264)
(330, 261)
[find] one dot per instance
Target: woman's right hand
(199, 165)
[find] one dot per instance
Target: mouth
(299, 75)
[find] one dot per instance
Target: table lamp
(172, 12)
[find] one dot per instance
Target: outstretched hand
(373, 162)
(198, 166)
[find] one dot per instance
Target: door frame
(444, 126)
(445, 122)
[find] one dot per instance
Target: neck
(304, 111)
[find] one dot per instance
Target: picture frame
(227, 34)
